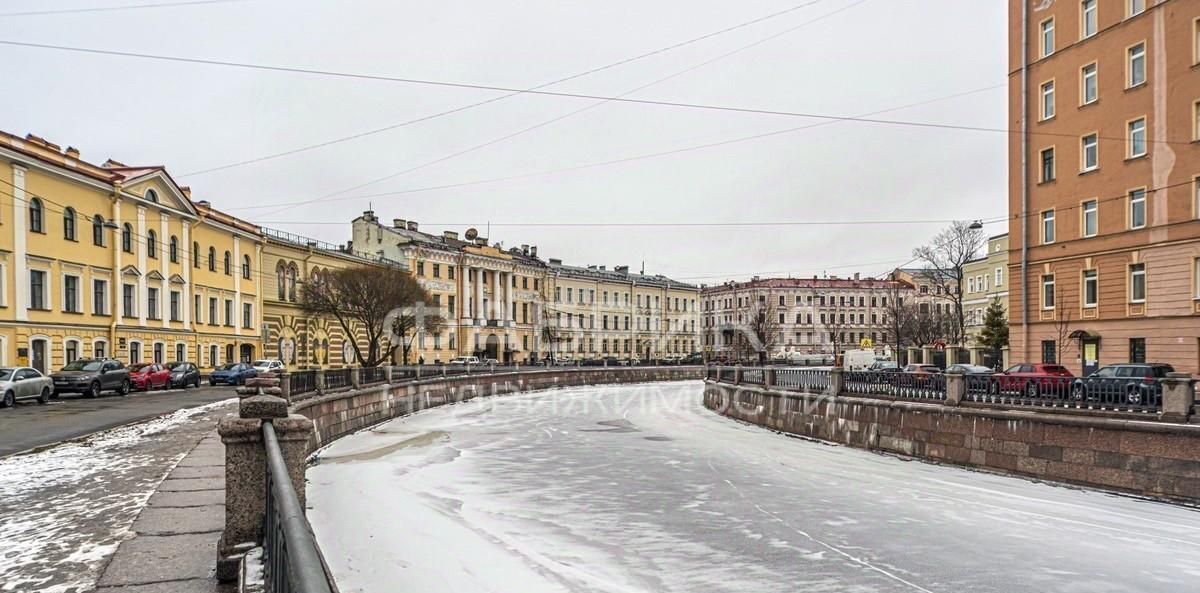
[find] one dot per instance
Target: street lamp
(977, 225)
(110, 224)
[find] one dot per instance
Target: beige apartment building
(986, 281)
(810, 315)
(1104, 188)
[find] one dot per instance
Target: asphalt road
(30, 425)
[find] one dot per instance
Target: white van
(859, 360)
(468, 360)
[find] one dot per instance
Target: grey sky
(872, 56)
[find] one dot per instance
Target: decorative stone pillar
(837, 381)
(1178, 397)
(956, 387)
(479, 312)
(465, 272)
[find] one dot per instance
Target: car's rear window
(1053, 368)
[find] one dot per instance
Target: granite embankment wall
(335, 415)
(1146, 457)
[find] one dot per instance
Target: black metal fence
(372, 375)
(896, 384)
(292, 561)
(338, 378)
(302, 382)
(1123, 394)
(802, 379)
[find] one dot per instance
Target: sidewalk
(175, 546)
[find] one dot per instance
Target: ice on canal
(639, 488)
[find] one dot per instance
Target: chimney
(602, 268)
(72, 152)
(110, 163)
(755, 279)
(399, 223)
(453, 235)
(412, 225)
(591, 267)
(555, 262)
(856, 275)
(203, 203)
(622, 269)
(533, 251)
(187, 191)
(524, 250)
(481, 241)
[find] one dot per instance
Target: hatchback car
(234, 373)
(970, 369)
(183, 374)
(17, 383)
(145, 376)
(268, 366)
(1132, 384)
(1033, 380)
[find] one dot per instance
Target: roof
(618, 275)
(824, 283)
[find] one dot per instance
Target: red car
(1033, 380)
(147, 376)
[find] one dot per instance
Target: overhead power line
(564, 116)
(116, 8)
(501, 97)
(505, 89)
(760, 223)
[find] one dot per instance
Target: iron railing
(1123, 394)
(896, 384)
(301, 382)
(802, 379)
(292, 561)
(754, 376)
(338, 378)
(372, 375)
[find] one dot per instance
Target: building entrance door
(37, 357)
(1090, 349)
(492, 347)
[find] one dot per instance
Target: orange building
(1104, 182)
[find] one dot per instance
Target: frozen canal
(639, 488)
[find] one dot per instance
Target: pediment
(131, 271)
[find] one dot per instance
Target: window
(36, 224)
(175, 306)
(173, 250)
(151, 244)
(128, 302)
(1048, 100)
(1196, 278)
(99, 297)
(1048, 226)
(1137, 138)
(212, 355)
(1137, 64)
(1047, 37)
(1088, 22)
(212, 259)
(195, 254)
(1090, 87)
(227, 263)
(71, 294)
(1048, 165)
(1137, 208)
(229, 312)
(1090, 152)
(152, 303)
(126, 238)
(98, 230)
(37, 290)
(1137, 283)
(69, 224)
(1090, 218)
(1136, 7)
(247, 315)
(1048, 291)
(1091, 292)
(179, 352)
(246, 267)
(99, 349)
(1137, 350)
(135, 352)
(1049, 352)
(420, 268)
(71, 351)
(152, 196)
(196, 308)
(999, 278)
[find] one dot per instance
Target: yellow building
(985, 282)
(95, 261)
(300, 340)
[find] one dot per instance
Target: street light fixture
(977, 225)
(110, 224)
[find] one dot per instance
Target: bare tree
(760, 330)
(833, 318)
(362, 298)
(944, 258)
(1062, 330)
(900, 316)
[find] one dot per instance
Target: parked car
(1032, 380)
(490, 361)
(234, 373)
(145, 376)
(17, 383)
(1134, 383)
(268, 366)
(694, 358)
(91, 377)
(921, 374)
(973, 370)
(183, 374)
(465, 360)
(884, 366)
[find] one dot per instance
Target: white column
(465, 296)
(187, 277)
(236, 264)
(164, 257)
(507, 314)
(20, 266)
(140, 248)
(479, 312)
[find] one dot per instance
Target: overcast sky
(861, 57)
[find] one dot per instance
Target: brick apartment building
(1104, 100)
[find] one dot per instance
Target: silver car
(23, 383)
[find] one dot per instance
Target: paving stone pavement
(175, 546)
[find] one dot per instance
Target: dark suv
(91, 376)
(1136, 384)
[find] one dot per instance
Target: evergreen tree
(994, 335)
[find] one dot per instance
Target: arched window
(281, 279)
(35, 216)
(151, 244)
(69, 224)
(291, 282)
(174, 247)
(227, 263)
(126, 238)
(195, 254)
(98, 230)
(212, 259)
(152, 195)
(246, 267)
